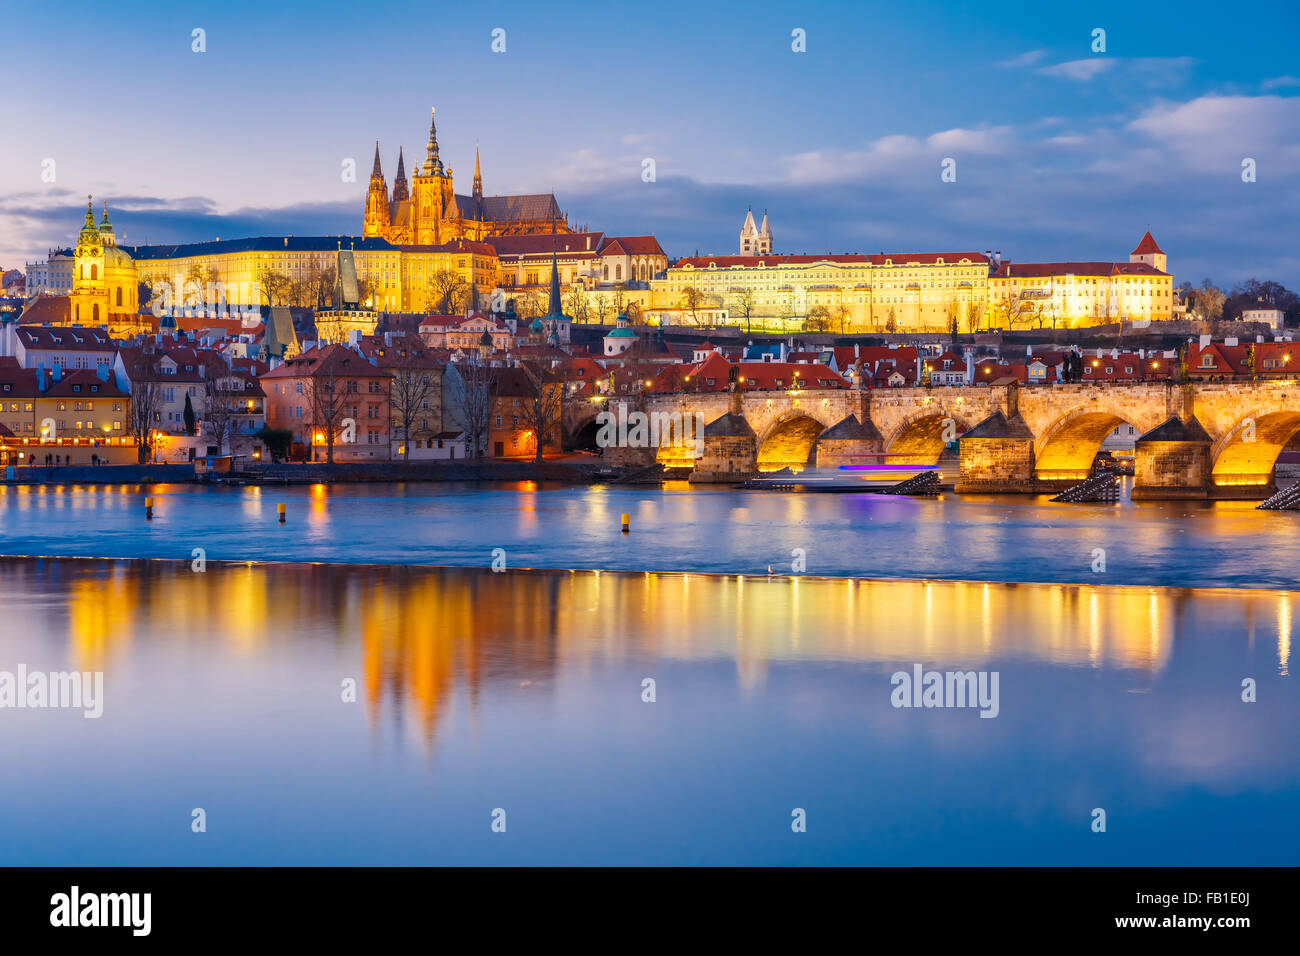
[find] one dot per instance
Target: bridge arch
(1246, 453)
(1067, 448)
(920, 438)
(789, 442)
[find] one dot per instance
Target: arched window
(94, 271)
(119, 296)
(94, 315)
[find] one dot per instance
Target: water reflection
(420, 632)
(477, 690)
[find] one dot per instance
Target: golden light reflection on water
(421, 634)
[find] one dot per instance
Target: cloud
(1214, 133)
(893, 155)
(1081, 70)
(1279, 82)
(1148, 70)
(1023, 60)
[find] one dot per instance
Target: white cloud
(1023, 60)
(1280, 82)
(1081, 70)
(1213, 133)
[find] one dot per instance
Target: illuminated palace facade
(429, 211)
(913, 291)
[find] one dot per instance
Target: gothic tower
(400, 192)
(478, 179)
(376, 220)
(431, 194)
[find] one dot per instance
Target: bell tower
(431, 190)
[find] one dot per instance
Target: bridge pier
(730, 451)
(849, 442)
(997, 455)
(1173, 461)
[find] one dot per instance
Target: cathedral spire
(377, 171)
(400, 190)
(432, 162)
(478, 178)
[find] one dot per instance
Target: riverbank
(564, 471)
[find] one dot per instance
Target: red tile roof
(1043, 270)
(1147, 246)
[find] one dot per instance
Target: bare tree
(576, 302)
(742, 299)
(692, 299)
(223, 390)
(601, 306)
(818, 319)
(446, 291)
(273, 285)
(543, 408)
(146, 401)
(328, 403)
(410, 395)
(470, 405)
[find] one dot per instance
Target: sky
(1059, 152)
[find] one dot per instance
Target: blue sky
(1061, 153)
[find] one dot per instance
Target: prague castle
(428, 211)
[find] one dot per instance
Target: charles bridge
(1197, 440)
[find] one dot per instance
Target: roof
(56, 309)
(511, 381)
(70, 337)
(998, 425)
(1175, 429)
(338, 359)
(510, 208)
(1147, 246)
(80, 382)
(542, 243)
(851, 429)
(730, 425)
(632, 246)
(1043, 270)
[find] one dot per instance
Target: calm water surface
(673, 529)
(523, 691)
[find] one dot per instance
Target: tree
(272, 285)
(600, 303)
(470, 388)
(366, 289)
(146, 401)
(542, 408)
(818, 319)
(840, 314)
(319, 283)
(576, 303)
(692, 299)
(222, 391)
(742, 303)
(891, 325)
(277, 441)
(327, 402)
(1207, 303)
(409, 396)
(447, 291)
(634, 314)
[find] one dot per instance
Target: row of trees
(1209, 303)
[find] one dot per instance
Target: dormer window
(76, 388)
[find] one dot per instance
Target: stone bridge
(1196, 440)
